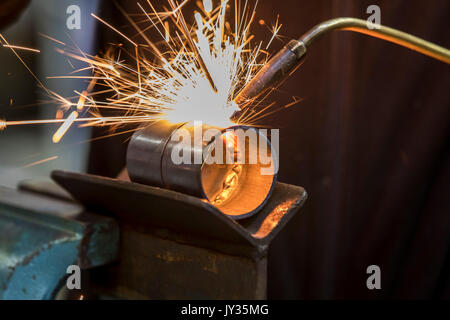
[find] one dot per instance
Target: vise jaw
(41, 236)
(175, 246)
(134, 241)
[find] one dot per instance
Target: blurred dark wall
(11, 10)
(17, 88)
(370, 143)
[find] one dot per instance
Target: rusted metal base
(151, 267)
(177, 246)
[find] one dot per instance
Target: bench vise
(133, 241)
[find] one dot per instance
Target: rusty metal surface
(175, 246)
(151, 267)
(41, 236)
(185, 217)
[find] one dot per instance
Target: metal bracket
(177, 246)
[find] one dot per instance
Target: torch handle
(288, 59)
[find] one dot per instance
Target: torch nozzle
(275, 71)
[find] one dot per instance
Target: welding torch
(149, 150)
(288, 59)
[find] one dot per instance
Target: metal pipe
(279, 67)
(236, 188)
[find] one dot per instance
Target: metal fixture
(175, 246)
(277, 69)
(41, 236)
(171, 245)
(236, 188)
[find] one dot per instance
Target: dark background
(370, 144)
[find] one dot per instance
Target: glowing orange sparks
(275, 30)
(41, 162)
(64, 127)
(80, 104)
(52, 39)
(21, 48)
(59, 114)
(175, 82)
(110, 26)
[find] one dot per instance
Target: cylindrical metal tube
(196, 160)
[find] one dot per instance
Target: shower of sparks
(193, 72)
(275, 30)
(21, 48)
(64, 127)
(41, 162)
